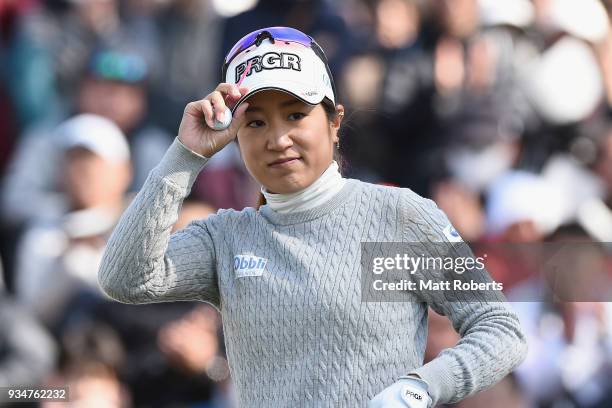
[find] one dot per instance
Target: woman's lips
(284, 162)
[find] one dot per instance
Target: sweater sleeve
(142, 262)
(492, 342)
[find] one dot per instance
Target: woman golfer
(286, 277)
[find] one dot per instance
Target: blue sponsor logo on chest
(249, 265)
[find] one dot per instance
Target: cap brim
(311, 102)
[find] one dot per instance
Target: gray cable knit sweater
(296, 329)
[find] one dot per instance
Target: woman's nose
(279, 140)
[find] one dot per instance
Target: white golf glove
(407, 392)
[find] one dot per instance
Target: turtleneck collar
(319, 192)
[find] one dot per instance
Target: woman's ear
(339, 116)
(335, 124)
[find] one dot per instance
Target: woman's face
(92, 181)
(286, 144)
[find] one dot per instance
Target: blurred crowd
(498, 110)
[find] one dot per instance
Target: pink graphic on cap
(241, 78)
(244, 74)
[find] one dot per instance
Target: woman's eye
(255, 123)
(297, 115)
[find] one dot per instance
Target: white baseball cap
(585, 19)
(516, 13)
(96, 134)
(280, 58)
(519, 195)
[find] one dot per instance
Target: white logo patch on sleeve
(451, 234)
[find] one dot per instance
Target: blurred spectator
(386, 86)
(190, 39)
(113, 87)
(61, 42)
(91, 385)
(397, 23)
(568, 331)
(173, 352)
(91, 362)
(568, 36)
(27, 351)
(175, 340)
(480, 109)
(191, 345)
(58, 256)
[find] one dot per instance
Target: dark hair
(332, 114)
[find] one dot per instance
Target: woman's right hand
(196, 130)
